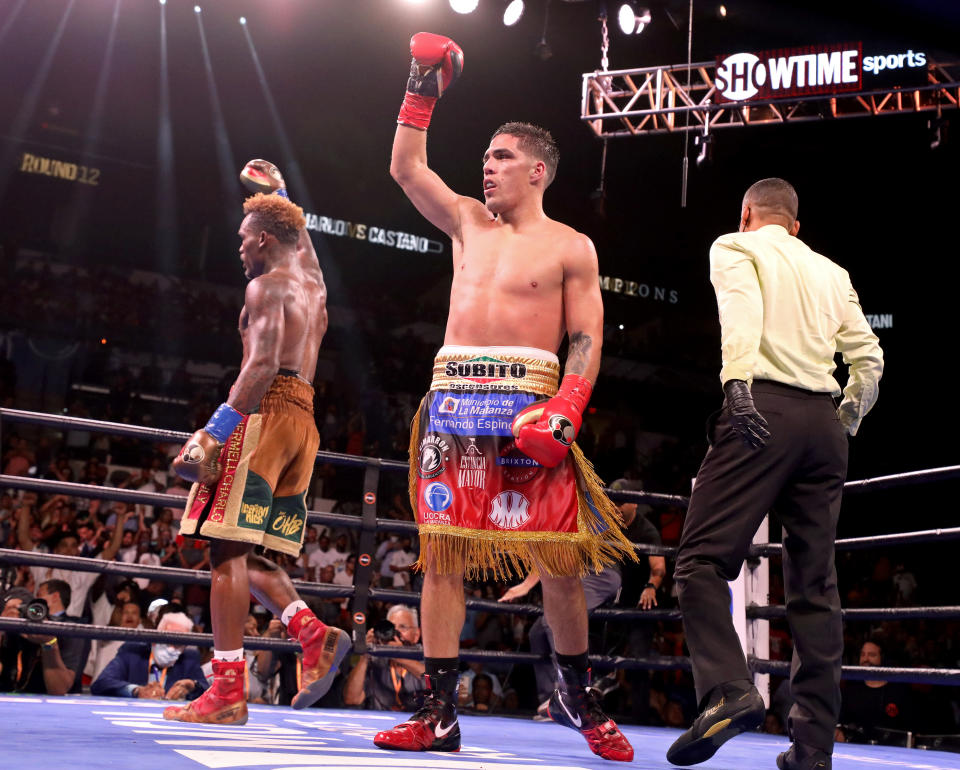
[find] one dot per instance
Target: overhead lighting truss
(657, 100)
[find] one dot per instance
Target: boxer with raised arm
(251, 464)
(495, 478)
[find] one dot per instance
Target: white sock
(292, 609)
(228, 656)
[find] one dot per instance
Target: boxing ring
(75, 731)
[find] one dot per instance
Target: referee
(779, 443)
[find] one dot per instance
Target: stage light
(464, 6)
(632, 21)
(163, 2)
(513, 13)
(243, 19)
(621, 327)
(196, 9)
(722, 10)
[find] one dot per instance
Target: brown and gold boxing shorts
(267, 464)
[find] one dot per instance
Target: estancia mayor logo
(473, 468)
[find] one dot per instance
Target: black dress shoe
(730, 716)
(801, 757)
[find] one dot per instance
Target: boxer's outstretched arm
(427, 191)
(264, 303)
(583, 310)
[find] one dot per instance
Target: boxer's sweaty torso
(508, 282)
(304, 298)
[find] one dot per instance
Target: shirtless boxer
(252, 462)
(494, 477)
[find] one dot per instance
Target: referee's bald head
(773, 200)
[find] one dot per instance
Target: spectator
(310, 543)
(490, 691)
(142, 670)
(68, 544)
(483, 697)
(345, 577)
(42, 663)
(871, 708)
(327, 608)
(321, 557)
(88, 533)
(388, 684)
(102, 651)
(398, 563)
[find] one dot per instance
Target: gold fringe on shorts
(597, 543)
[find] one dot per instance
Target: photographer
(41, 663)
(388, 684)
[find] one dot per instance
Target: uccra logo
(485, 369)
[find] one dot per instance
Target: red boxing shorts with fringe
(481, 503)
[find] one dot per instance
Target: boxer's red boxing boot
(435, 726)
(324, 647)
(224, 702)
(575, 705)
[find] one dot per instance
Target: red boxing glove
(437, 62)
(545, 430)
(199, 460)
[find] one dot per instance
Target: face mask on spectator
(165, 655)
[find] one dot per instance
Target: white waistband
(498, 350)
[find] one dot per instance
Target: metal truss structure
(680, 98)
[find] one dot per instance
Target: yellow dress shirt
(785, 311)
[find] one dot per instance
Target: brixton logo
(484, 369)
(432, 456)
(515, 466)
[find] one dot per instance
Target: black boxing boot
(731, 708)
(803, 757)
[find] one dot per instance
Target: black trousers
(799, 474)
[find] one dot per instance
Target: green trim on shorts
(256, 505)
(288, 518)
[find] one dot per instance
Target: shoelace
(431, 711)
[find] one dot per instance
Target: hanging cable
(686, 131)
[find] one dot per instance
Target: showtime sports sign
(813, 70)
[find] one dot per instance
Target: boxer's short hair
(276, 215)
(534, 141)
(773, 196)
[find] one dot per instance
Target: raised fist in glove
(744, 417)
(199, 460)
(545, 430)
(261, 176)
(437, 62)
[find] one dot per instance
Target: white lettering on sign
(894, 61)
(395, 239)
(880, 321)
(742, 76)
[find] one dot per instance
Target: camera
(35, 609)
(384, 632)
